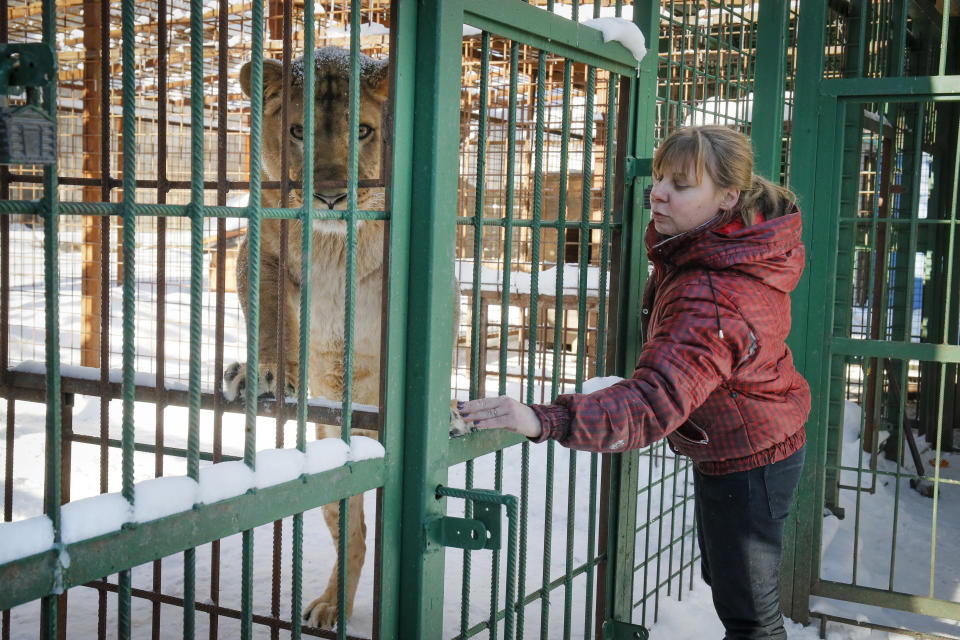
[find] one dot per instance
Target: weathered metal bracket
(461, 533)
(483, 531)
(636, 167)
(616, 630)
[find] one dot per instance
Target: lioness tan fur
(327, 267)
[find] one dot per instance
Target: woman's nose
(657, 192)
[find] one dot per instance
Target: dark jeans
(740, 520)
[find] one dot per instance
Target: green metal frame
(817, 160)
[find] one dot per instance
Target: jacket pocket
(691, 433)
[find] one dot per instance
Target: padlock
(27, 136)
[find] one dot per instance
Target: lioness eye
(365, 131)
(297, 131)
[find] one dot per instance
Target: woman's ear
(729, 198)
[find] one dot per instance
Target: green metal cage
(516, 149)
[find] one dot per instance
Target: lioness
(327, 267)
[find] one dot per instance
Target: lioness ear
(379, 79)
(272, 75)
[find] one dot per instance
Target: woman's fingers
(501, 413)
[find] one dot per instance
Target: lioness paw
(321, 613)
(235, 382)
(458, 427)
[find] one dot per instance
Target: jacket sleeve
(683, 361)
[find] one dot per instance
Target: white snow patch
(547, 280)
(224, 480)
(852, 414)
(25, 538)
(327, 403)
(276, 466)
(159, 497)
(521, 282)
(623, 31)
(326, 454)
(364, 448)
(595, 384)
(92, 517)
(717, 110)
(141, 378)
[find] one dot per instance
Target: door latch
(482, 531)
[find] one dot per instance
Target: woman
(715, 376)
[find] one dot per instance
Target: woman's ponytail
(764, 197)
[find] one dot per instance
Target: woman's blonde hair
(727, 156)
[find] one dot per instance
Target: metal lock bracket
(616, 630)
(28, 135)
(480, 532)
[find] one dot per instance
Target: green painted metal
(26, 65)
(512, 507)
(527, 24)
(306, 245)
(196, 286)
(482, 531)
(172, 210)
(811, 318)
(894, 90)
(897, 350)
(766, 132)
(437, 32)
(252, 312)
(137, 544)
(883, 598)
(50, 203)
(398, 560)
(129, 288)
(614, 630)
(834, 127)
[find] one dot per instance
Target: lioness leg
(236, 375)
(322, 612)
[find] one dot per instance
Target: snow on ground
(690, 617)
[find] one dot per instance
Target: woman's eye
(365, 131)
(297, 131)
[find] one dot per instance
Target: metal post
(766, 132)
(802, 529)
(429, 327)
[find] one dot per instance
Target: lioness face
(331, 141)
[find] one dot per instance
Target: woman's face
(679, 203)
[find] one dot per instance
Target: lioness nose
(330, 200)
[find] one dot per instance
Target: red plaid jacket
(715, 376)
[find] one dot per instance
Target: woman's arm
(681, 364)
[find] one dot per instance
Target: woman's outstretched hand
(501, 413)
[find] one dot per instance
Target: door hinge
(636, 168)
(616, 630)
(482, 531)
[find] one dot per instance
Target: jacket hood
(771, 251)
